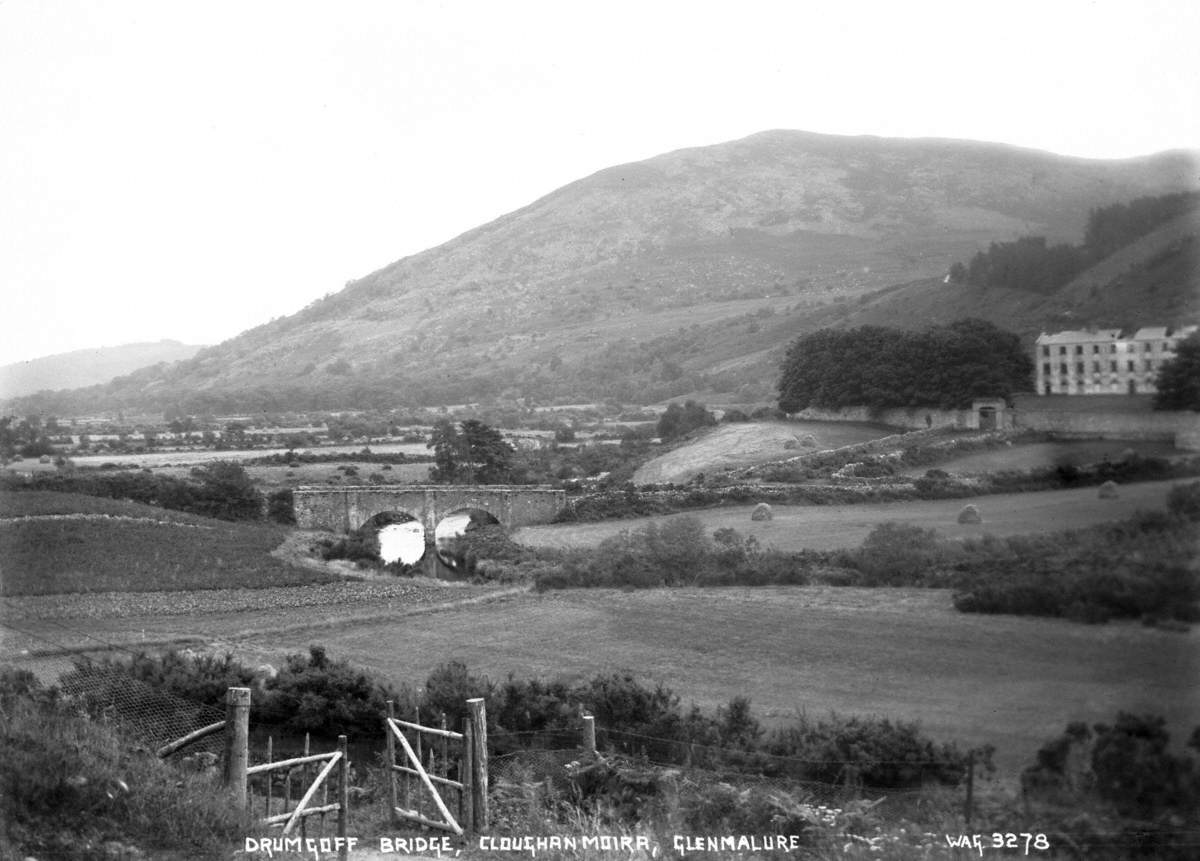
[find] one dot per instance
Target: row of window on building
(1104, 362)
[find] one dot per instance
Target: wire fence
(142, 711)
(701, 764)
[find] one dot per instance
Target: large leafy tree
(1178, 381)
(943, 366)
(472, 453)
(680, 420)
(226, 492)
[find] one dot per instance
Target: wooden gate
(238, 771)
(333, 762)
(432, 764)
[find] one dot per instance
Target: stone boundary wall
(1181, 427)
(1110, 425)
(911, 418)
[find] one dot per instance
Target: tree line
(1030, 263)
(880, 367)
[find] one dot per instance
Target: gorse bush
(649, 721)
(898, 554)
(310, 693)
(327, 697)
(1147, 566)
(1183, 501)
(675, 552)
(884, 754)
(1144, 792)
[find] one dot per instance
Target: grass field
(1047, 454)
(747, 443)
(830, 527)
(1009, 681)
(71, 543)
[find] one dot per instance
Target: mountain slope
(655, 278)
(87, 367)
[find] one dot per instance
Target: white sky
(187, 171)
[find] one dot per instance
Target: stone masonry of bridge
(342, 509)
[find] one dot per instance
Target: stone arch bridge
(343, 509)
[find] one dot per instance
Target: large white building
(1102, 362)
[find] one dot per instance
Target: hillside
(81, 368)
(687, 271)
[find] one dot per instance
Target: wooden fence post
(393, 801)
(304, 772)
(343, 792)
(970, 787)
(237, 741)
(466, 774)
(270, 782)
(589, 736)
(479, 777)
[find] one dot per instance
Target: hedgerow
(844, 489)
(220, 489)
(676, 552)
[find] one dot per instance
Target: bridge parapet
(342, 509)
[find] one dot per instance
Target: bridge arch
(399, 536)
(456, 525)
(343, 509)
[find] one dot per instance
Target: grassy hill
(687, 271)
(87, 367)
(54, 543)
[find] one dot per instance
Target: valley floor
(905, 654)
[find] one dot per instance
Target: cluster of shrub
(315, 693)
(1125, 790)
(220, 489)
(296, 458)
(677, 552)
(1146, 567)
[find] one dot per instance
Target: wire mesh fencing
(104, 689)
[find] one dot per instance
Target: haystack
(762, 511)
(1108, 490)
(969, 514)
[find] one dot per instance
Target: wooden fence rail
(421, 763)
(238, 771)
